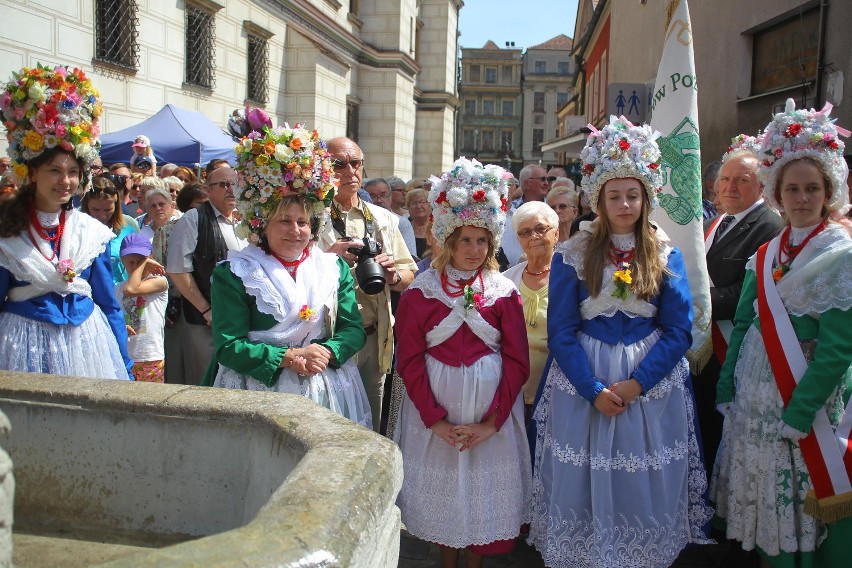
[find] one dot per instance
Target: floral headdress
(46, 107)
(277, 162)
(621, 150)
(795, 134)
(469, 194)
(743, 142)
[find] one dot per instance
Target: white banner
(674, 107)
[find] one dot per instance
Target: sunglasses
(341, 164)
(551, 179)
(562, 206)
(223, 184)
(539, 230)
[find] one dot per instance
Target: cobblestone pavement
(416, 553)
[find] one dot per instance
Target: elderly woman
(536, 226)
(417, 203)
(564, 201)
(285, 317)
(174, 185)
(160, 209)
(102, 203)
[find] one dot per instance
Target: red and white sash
(827, 454)
(720, 331)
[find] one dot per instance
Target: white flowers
(283, 153)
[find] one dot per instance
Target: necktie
(723, 226)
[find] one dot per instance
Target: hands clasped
(466, 436)
(614, 400)
(309, 360)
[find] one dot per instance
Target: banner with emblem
(674, 108)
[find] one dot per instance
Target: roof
(490, 45)
(561, 41)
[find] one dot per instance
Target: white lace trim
(819, 277)
(605, 304)
(797, 235)
(274, 290)
(496, 286)
(624, 242)
(83, 241)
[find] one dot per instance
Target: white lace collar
(623, 242)
(47, 219)
(495, 286)
(799, 234)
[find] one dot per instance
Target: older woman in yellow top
(537, 227)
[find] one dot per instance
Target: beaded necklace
(291, 266)
(618, 257)
(787, 252)
(460, 285)
(42, 232)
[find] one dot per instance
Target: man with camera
(367, 237)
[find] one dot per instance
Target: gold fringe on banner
(829, 509)
(670, 10)
(699, 358)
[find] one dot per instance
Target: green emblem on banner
(681, 165)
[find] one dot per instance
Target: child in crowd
(142, 149)
(143, 298)
(463, 357)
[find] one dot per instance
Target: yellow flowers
(33, 141)
(623, 279)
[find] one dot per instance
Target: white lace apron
(277, 294)
(477, 496)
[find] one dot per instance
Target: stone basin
(170, 475)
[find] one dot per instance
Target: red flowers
(503, 204)
(588, 169)
(478, 195)
(793, 130)
(654, 166)
(624, 145)
(442, 197)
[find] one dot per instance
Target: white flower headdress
(469, 194)
(795, 134)
(621, 150)
(743, 142)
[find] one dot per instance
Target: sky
(526, 22)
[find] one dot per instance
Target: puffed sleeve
(103, 294)
(674, 319)
(349, 336)
(411, 356)
(232, 309)
(742, 321)
(829, 367)
(514, 350)
(563, 323)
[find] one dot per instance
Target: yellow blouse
(535, 314)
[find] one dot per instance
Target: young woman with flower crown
(281, 321)
(463, 357)
(617, 474)
(782, 475)
(57, 307)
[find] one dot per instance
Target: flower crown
(277, 162)
(743, 142)
(47, 107)
(621, 150)
(795, 134)
(469, 194)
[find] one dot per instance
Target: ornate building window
(538, 102)
(541, 66)
(488, 107)
(508, 108)
(200, 64)
(473, 74)
(491, 75)
(257, 72)
(116, 32)
(470, 107)
(537, 139)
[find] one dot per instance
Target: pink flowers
(65, 268)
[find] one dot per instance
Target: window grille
(200, 48)
(116, 33)
(258, 72)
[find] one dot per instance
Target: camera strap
(340, 226)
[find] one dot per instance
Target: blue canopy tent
(179, 136)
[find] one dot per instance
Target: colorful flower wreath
(469, 194)
(798, 133)
(621, 150)
(274, 163)
(46, 107)
(743, 142)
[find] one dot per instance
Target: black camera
(369, 273)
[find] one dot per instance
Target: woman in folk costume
(58, 313)
(284, 312)
(782, 478)
(463, 357)
(617, 474)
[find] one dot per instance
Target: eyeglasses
(97, 169)
(562, 207)
(341, 164)
(398, 189)
(542, 178)
(223, 184)
(539, 230)
(551, 179)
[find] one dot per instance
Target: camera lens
(370, 275)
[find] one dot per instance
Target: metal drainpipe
(823, 19)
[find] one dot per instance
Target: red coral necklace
(42, 232)
(292, 266)
(456, 289)
(619, 256)
(787, 253)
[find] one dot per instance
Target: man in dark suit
(729, 242)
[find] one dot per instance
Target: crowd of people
(522, 340)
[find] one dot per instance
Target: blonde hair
(449, 247)
(647, 268)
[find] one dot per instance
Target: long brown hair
(647, 269)
(104, 188)
(14, 211)
(443, 259)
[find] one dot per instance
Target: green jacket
(236, 314)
